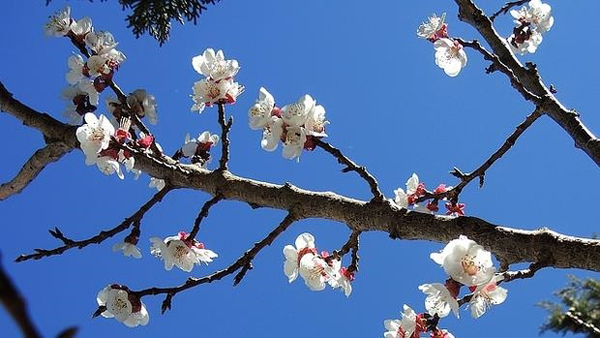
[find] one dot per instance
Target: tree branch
(351, 166)
(507, 6)
(530, 79)
(225, 128)
(203, 213)
(241, 263)
(34, 165)
(99, 238)
(15, 305)
(510, 245)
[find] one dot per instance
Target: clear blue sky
(390, 108)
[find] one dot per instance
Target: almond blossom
(79, 104)
(295, 114)
(100, 42)
(466, 261)
(199, 145)
(208, 92)
(261, 112)
(486, 295)
(315, 271)
(434, 28)
(414, 190)
(341, 277)
(121, 304)
(180, 251)
(129, 249)
(272, 133)
(405, 328)
(143, 104)
(304, 244)
(450, 56)
(531, 22)
(439, 300)
(315, 122)
(294, 140)
(214, 65)
(94, 136)
(82, 27)
(76, 69)
(60, 23)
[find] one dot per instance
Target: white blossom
(272, 133)
(450, 56)
(214, 65)
(340, 277)
(100, 42)
(295, 137)
(108, 165)
(208, 92)
(181, 252)
(439, 300)
(315, 122)
(128, 249)
(304, 244)
(82, 27)
(403, 328)
(88, 87)
(144, 104)
(60, 23)
(539, 14)
(429, 29)
(94, 136)
(122, 306)
(203, 142)
(295, 114)
(260, 112)
(486, 295)
(466, 261)
(75, 73)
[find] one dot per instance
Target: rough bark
(509, 245)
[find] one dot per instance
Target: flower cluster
(117, 301)
(181, 251)
(86, 78)
(531, 22)
(198, 149)
(99, 140)
(218, 86)
(416, 190)
(297, 125)
(449, 53)
(316, 270)
(466, 263)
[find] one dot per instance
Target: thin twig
(15, 305)
(52, 152)
(498, 65)
(351, 166)
(466, 178)
(99, 238)
(507, 6)
(525, 273)
(225, 127)
(202, 214)
(240, 263)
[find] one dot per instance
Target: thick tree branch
(531, 80)
(510, 245)
(34, 165)
(99, 238)
(244, 263)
